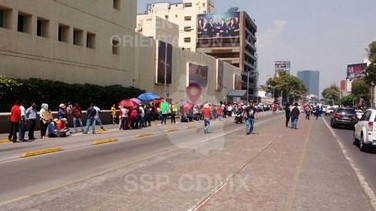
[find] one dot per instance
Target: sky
(324, 35)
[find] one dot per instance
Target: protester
(295, 116)
(142, 116)
(45, 119)
(23, 123)
(61, 113)
(90, 121)
(123, 118)
(97, 118)
(14, 119)
(113, 113)
(206, 111)
(287, 114)
(77, 117)
(148, 115)
(174, 111)
(57, 128)
(249, 116)
(219, 112)
(317, 112)
(133, 119)
(307, 110)
(31, 116)
(164, 111)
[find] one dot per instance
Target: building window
(116, 4)
(176, 16)
(5, 17)
(78, 36)
(24, 23)
(42, 27)
(63, 33)
(90, 40)
(2, 18)
(115, 47)
(187, 4)
(187, 39)
(187, 29)
(187, 18)
(166, 17)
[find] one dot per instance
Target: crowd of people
(135, 117)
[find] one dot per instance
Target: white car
(329, 110)
(365, 130)
(359, 113)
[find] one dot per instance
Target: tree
(331, 94)
(371, 69)
(348, 100)
(291, 87)
(361, 90)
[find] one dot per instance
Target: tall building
(311, 80)
(69, 41)
(184, 14)
(231, 37)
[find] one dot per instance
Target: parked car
(365, 130)
(329, 110)
(359, 113)
(344, 117)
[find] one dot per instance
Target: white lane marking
(362, 180)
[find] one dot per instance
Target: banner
(198, 74)
(164, 63)
(218, 25)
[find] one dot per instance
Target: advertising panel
(219, 75)
(218, 25)
(198, 74)
(164, 63)
(356, 71)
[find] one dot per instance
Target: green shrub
(56, 92)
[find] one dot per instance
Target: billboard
(282, 66)
(356, 71)
(218, 25)
(219, 75)
(198, 74)
(164, 63)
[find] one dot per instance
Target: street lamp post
(247, 86)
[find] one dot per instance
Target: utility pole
(247, 86)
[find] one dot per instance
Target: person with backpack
(249, 116)
(90, 121)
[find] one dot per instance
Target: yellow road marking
(41, 152)
(105, 141)
(143, 135)
(4, 140)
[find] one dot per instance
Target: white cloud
(270, 35)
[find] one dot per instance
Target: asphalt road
(366, 161)
(30, 176)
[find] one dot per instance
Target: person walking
(77, 115)
(124, 116)
(31, 116)
(164, 111)
(307, 110)
(317, 112)
(206, 113)
(174, 112)
(23, 123)
(14, 120)
(45, 117)
(295, 116)
(287, 113)
(249, 115)
(90, 121)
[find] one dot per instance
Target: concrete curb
(41, 152)
(105, 141)
(171, 130)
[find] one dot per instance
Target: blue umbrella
(148, 96)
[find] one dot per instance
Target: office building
(311, 80)
(231, 37)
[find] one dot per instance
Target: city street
(178, 167)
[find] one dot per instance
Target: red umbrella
(136, 101)
(128, 103)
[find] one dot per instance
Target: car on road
(359, 113)
(365, 130)
(329, 110)
(344, 117)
